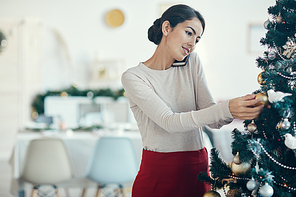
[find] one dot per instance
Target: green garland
(38, 102)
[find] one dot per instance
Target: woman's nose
(192, 43)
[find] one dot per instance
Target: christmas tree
(264, 162)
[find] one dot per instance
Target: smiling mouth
(185, 50)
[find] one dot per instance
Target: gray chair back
(47, 161)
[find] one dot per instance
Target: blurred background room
(61, 63)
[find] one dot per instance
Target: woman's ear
(166, 28)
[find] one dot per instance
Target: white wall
(230, 69)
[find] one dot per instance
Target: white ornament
(252, 184)
(276, 96)
(290, 141)
(266, 190)
(285, 124)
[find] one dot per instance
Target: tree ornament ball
(252, 127)
(266, 23)
(260, 79)
(271, 55)
(240, 169)
(236, 159)
(284, 124)
(264, 98)
(234, 193)
(211, 194)
(266, 190)
(251, 185)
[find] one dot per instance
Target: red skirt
(171, 174)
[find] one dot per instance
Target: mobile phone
(181, 63)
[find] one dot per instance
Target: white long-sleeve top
(171, 106)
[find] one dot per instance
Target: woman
(172, 103)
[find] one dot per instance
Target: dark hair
(175, 14)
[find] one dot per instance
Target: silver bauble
(284, 124)
(251, 185)
(266, 190)
(265, 24)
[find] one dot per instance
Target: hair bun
(154, 32)
(156, 23)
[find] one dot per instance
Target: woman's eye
(196, 41)
(189, 33)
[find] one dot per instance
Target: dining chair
(113, 161)
(47, 162)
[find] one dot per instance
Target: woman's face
(182, 39)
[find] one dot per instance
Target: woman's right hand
(245, 108)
